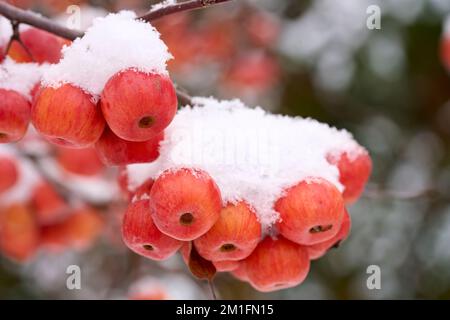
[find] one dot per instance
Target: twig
(212, 288)
(31, 18)
(178, 7)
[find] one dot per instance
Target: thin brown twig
(178, 7)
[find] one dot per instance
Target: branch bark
(178, 7)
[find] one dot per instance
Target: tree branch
(33, 19)
(178, 7)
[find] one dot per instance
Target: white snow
(252, 155)
(113, 43)
(162, 5)
(5, 32)
(27, 181)
(20, 77)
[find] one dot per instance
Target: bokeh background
(389, 87)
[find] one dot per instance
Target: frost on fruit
(252, 155)
(112, 44)
(20, 77)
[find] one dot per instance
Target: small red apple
(277, 264)
(14, 116)
(310, 212)
(318, 250)
(83, 227)
(67, 117)
(47, 204)
(354, 171)
(9, 173)
(19, 233)
(143, 191)
(83, 162)
(115, 151)
(234, 236)
(18, 53)
(225, 266)
(137, 106)
(142, 236)
(185, 203)
(42, 45)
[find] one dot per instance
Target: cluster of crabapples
(182, 210)
(44, 220)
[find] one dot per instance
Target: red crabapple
(137, 106)
(233, 237)
(310, 212)
(185, 203)
(142, 236)
(82, 227)
(47, 204)
(19, 234)
(14, 116)
(277, 264)
(18, 53)
(225, 266)
(144, 189)
(240, 272)
(115, 151)
(122, 181)
(353, 173)
(83, 162)
(42, 45)
(9, 174)
(67, 117)
(316, 251)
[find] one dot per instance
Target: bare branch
(178, 7)
(15, 14)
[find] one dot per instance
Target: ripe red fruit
(185, 203)
(143, 191)
(277, 264)
(83, 162)
(310, 212)
(14, 116)
(233, 237)
(318, 250)
(353, 173)
(240, 272)
(138, 105)
(225, 266)
(122, 181)
(19, 234)
(67, 117)
(83, 227)
(142, 236)
(9, 173)
(47, 204)
(115, 151)
(38, 45)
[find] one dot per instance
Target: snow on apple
(246, 187)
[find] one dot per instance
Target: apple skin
(38, 46)
(84, 162)
(234, 236)
(83, 227)
(114, 151)
(14, 116)
(143, 191)
(185, 203)
(277, 264)
(9, 173)
(226, 266)
(240, 272)
(310, 212)
(142, 236)
(318, 250)
(19, 233)
(67, 117)
(137, 106)
(354, 173)
(47, 204)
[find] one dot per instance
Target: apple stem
(212, 289)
